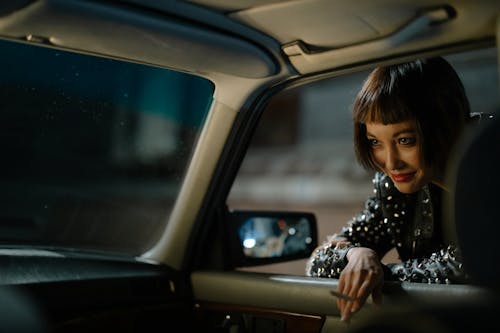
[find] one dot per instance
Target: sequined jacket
(408, 222)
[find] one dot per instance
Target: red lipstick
(403, 177)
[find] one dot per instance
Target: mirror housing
(267, 237)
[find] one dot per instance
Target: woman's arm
(367, 229)
(443, 266)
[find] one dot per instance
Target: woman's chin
(407, 188)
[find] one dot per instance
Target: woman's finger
(362, 282)
(343, 288)
(354, 279)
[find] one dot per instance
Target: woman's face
(396, 150)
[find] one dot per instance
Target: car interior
(173, 164)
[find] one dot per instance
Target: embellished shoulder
(383, 186)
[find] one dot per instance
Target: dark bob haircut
(428, 91)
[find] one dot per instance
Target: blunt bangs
(384, 97)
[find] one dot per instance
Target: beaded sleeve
(369, 229)
(443, 266)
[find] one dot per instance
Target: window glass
(94, 149)
(302, 157)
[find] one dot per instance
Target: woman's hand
(362, 276)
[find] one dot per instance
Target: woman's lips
(403, 177)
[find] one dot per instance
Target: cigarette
(343, 296)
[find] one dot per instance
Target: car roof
(268, 37)
(321, 34)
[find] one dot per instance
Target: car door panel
(285, 298)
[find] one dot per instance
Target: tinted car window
(94, 149)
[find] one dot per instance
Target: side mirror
(265, 237)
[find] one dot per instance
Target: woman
(407, 118)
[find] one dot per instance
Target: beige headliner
(304, 36)
(335, 23)
(330, 32)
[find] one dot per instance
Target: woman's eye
(407, 141)
(373, 142)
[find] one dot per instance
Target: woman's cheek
(379, 161)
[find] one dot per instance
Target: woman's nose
(392, 162)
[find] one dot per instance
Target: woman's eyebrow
(405, 131)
